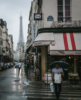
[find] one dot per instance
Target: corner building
(59, 34)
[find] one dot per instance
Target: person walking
(20, 65)
(37, 73)
(57, 70)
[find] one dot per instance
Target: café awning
(44, 39)
(66, 44)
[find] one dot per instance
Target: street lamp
(25, 58)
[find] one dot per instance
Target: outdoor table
(74, 76)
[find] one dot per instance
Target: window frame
(63, 17)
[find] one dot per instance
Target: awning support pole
(74, 64)
(43, 63)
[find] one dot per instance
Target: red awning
(66, 44)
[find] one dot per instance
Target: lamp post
(25, 58)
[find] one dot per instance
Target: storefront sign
(66, 24)
(36, 54)
(37, 16)
(41, 43)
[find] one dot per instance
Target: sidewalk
(38, 90)
(31, 78)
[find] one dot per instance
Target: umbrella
(62, 64)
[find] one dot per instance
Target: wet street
(14, 86)
(11, 84)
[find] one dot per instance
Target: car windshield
(1, 64)
(15, 62)
(8, 63)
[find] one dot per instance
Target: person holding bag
(57, 74)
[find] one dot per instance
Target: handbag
(52, 87)
(57, 78)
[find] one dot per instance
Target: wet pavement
(11, 84)
(40, 91)
(15, 86)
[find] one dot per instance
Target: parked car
(9, 65)
(5, 64)
(16, 65)
(2, 66)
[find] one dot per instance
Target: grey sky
(10, 11)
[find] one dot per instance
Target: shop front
(41, 44)
(60, 44)
(75, 64)
(69, 50)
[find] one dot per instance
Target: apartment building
(5, 42)
(1, 40)
(10, 38)
(32, 26)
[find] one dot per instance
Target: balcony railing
(0, 32)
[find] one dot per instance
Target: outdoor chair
(37, 77)
(77, 78)
(70, 77)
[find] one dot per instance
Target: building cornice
(5, 32)
(5, 40)
(60, 30)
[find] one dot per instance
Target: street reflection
(14, 87)
(20, 74)
(19, 88)
(15, 71)
(20, 71)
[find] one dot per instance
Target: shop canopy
(44, 39)
(66, 44)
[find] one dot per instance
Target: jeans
(57, 89)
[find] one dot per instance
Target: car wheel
(0, 68)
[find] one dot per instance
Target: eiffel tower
(21, 39)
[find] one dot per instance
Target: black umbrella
(62, 64)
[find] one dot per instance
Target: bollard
(25, 68)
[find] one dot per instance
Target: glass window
(60, 14)
(67, 10)
(60, 19)
(64, 10)
(67, 2)
(60, 8)
(60, 2)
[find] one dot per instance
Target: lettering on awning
(66, 24)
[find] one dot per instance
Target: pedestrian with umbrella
(57, 74)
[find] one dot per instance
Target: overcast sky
(10, 11)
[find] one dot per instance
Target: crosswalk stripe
(50, 91)
(61, 98)
(44, 92)
(50, 94)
